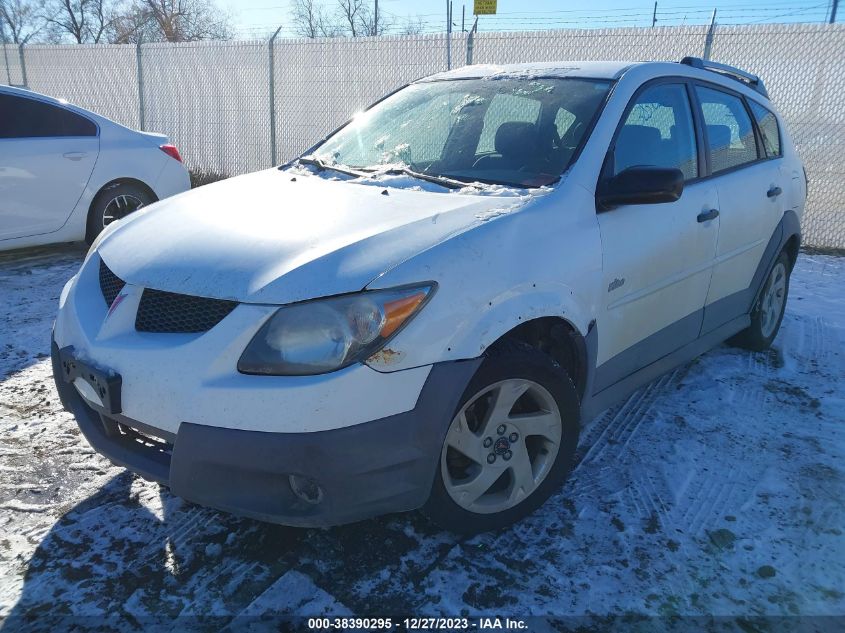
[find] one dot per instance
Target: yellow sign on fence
(484, 7)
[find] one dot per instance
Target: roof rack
(753, 81)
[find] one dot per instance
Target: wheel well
(791, 249)
(560, 340)
(120, 181)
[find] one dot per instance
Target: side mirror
(641, 185)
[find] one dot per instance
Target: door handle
(706, 216)
(774, 192)
(75, 155)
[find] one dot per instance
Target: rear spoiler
(752, 81)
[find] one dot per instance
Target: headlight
(316, 337)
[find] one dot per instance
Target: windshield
(516, 132)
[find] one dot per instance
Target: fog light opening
(306, 489)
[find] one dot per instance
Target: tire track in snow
(616, 427)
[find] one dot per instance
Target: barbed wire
(526, 20)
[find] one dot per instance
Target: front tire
(114, 202)
(510, 444)
(768, 311)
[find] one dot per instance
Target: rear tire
(114, 202)
(768, 311)
(510, 444)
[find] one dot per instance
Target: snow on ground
(716, 490)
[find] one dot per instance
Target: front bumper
(364, 470)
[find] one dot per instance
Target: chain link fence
(234, 107)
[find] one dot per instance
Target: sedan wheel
(113, 203)
(119, 207)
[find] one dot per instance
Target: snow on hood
(279, 236)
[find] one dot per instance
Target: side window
(28, 118)
(730, 134)
(658, 132)
(768, 125)
(505, 108)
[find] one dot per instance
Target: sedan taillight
(171, 151)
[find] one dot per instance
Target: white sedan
(66, 173)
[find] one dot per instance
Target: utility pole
(833, 8)
(654, 16)
(463, 18)
(375, 19)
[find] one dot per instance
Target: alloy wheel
(119, 207)
(772, 301)
(501, 445)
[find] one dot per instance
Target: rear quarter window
(767, 122)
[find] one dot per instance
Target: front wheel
(510, 444)
(768, 312)
(114, 203)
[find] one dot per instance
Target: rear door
(657, 258)
(751, 200)
(47, 154)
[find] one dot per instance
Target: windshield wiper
(443, 181)
(319, 164)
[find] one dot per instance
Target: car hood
(279, 236)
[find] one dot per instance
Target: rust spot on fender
(386, 356)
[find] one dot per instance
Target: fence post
(471, 41)
(448, 34)
(272, 86)
(23, 66)
(6, 56)
(708, 41)
(140, 71)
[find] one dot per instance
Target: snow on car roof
(596, 70)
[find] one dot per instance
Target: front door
(657, 258)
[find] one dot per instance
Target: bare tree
(350, 13)
(172, 21)
(413, 26)
(21, 19)
(310, 19)
(133, 25)
(351, 17)
(367, 21)
(82, 20)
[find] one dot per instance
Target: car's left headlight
(316, 337)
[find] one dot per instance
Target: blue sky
(257, 18)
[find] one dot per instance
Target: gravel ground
(716, 490)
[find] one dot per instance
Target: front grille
(110, 284)
(168, 312)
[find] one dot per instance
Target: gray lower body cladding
(369, 469)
